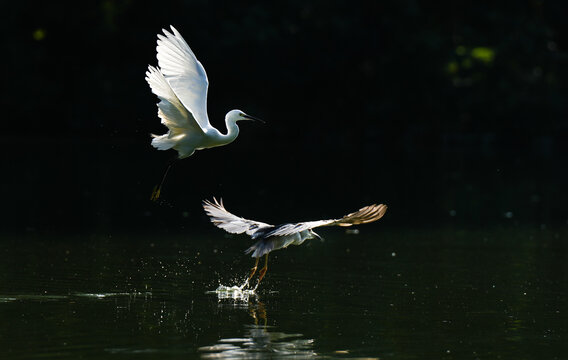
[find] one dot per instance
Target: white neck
(232, 131)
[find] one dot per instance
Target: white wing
(184, 73)
(229, 222)
(364, 215)
(172, 112)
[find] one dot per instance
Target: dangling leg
(158, 188)
(264, 269)
(253, 270)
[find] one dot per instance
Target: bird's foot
(261, 273)
(156, 193)
(252, 271)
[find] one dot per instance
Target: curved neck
(232, 131)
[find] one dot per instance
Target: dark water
(429, 294)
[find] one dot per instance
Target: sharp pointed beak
(319, 237)
(249, 117)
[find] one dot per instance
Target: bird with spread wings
(273, 237)
(180, 82)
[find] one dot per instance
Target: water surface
(388, 294)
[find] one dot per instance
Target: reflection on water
(259, 341)
(446, 294)
(35, 297)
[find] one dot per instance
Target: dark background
(453, 114)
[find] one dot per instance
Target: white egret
(274, 237)
(180, 82)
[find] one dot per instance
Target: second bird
(274, 237)
(180, 82)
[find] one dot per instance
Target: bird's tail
(163, 142)
(260, 248)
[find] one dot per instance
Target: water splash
(236, 293)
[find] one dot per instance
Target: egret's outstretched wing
(172, 112)
(364, 215)
(184, 73)
(229, 222)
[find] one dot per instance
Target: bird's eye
(241, 114)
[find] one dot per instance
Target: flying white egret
(180, 82)
(274, 237)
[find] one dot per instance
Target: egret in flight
(180, 82)
(273, 237)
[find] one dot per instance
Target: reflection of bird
(258, 311)
(271, 237)
(180, 82)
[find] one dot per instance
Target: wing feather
(184, 73)
(364, 215)
(171, 111)
(233, 224)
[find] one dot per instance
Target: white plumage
(271, 237)
(181, 84)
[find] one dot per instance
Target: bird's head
(314, 235)
(236, 115)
